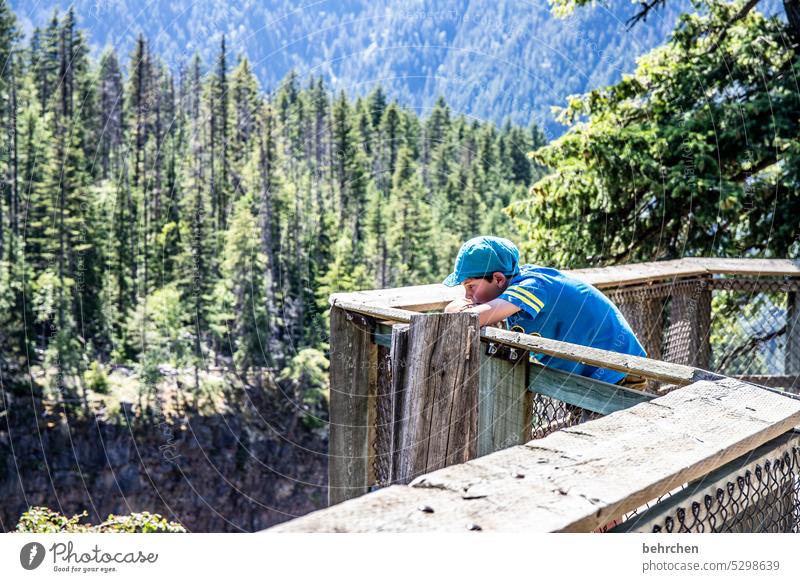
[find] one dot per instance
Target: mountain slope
(501, 60)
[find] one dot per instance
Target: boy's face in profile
(479, 290)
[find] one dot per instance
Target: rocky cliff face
(241, 470)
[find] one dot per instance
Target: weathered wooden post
(353, 376)
(505, 405)
(437, 392)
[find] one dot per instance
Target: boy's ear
(499, 278)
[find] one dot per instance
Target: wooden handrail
(651, 369)
(436, 296)
(578, 478)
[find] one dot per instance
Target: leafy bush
(44, 520)
(96, 379)
(307, 373)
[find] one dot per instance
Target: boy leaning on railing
(541, 301)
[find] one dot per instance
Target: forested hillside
(499, 60)
(188, 218)
(183, 185)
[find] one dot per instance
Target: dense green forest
(188, 218)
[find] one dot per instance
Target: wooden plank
(622, 275)
(651, 369)
(415, 298)
(440, 394)
(399, 364)
(351, 359)
(375, 311)
(758, 267)
(398, 508)
(593, 395)
(579, 478)
(505, 406)
(732, 517)
(436, 296)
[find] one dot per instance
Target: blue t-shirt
(557, 306)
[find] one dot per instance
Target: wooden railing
(584, 478)
(413, 393)
(669, 307)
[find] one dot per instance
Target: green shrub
(96, 379)
(44, 520)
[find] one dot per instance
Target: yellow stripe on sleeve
(524, 299)
(527, 293)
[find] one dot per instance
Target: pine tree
(139, 104)
(45, 62)
(122, 254)
(390, 140)
(435, 132)
(219, 113)
(350, 172)
(240, 315)
(12, 275)
(376, 103)
(410, 232)
(246, 105)
(111, 100)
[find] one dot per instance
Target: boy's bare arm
(488, 313)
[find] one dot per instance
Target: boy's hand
(458, 305)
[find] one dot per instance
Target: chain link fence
(758, 493)
(745, 327)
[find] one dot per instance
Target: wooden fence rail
(579, 478)
(413, 394)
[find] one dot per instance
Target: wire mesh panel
(748, 327)
(550, 415)
(757, 493)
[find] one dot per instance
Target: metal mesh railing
(759, 493)
(748, 331)
(736, 326)
(550, 415)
